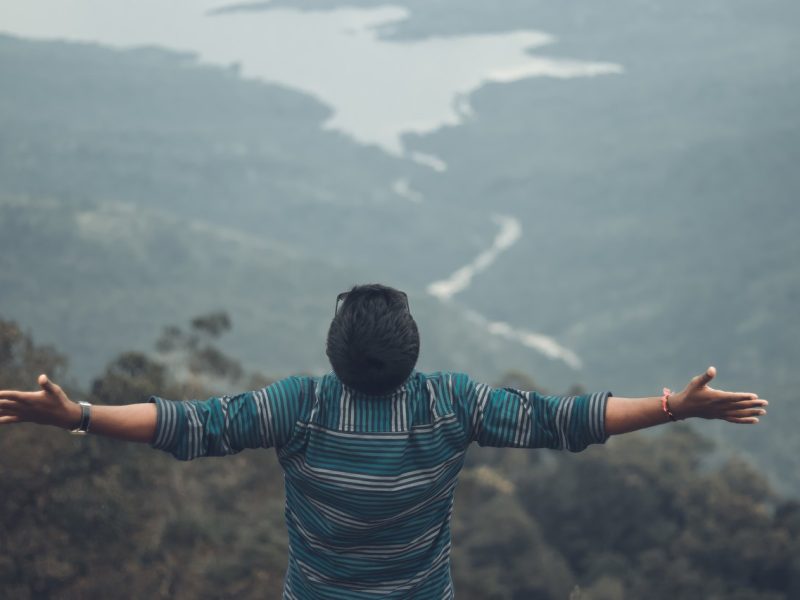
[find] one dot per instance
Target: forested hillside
(637, 518)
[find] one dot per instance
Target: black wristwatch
(86, 418)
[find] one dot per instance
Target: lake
(378, 89)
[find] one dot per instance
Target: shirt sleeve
(223, 425)
(506, 417)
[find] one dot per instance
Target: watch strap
(86, 418)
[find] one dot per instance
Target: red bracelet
(665, 404)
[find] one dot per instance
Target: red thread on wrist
(665, 404)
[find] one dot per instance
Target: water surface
(378, 89)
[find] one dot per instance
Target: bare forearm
(51, 406)
(629, 414)
(698, 399)
(133, 422)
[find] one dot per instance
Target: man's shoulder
(454, 384)
(440, 374)
(299, 381)
(445, 376)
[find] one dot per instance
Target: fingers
(20, 396)
(44, 382)
(742, 420)
(756, 403)
(748, 397)
(9, 411)
(747, 412)
(8, 405)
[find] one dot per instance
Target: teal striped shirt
(370, 479)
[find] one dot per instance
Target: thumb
(703, 379)
(49, 386)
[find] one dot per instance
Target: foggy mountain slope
(144, 188)
(154, 128)
(671, 233)
(117, 274)
(699, 155)
(107, 280)
(658, 206)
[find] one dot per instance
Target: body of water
(378, 89)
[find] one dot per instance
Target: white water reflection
(378, 89)
(429, 160)
(402, 187)
(536, 341)
(461, 279)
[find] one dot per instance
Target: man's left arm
(697, 399)
(506, 417)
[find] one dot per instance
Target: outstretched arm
(51, 406)
(696, 400)
(186, 429)
(513, 418)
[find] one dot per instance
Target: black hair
(373, 341)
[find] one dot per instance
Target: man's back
(370, 479)
(369, 491)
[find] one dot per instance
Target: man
(371, 452)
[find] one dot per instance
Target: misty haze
(576, 197)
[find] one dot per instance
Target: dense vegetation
(640, 517)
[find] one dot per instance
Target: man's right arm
(186, 429)
(51, 406)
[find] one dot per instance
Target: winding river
(510, 231)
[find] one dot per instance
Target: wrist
(677, 404)
(73, 416)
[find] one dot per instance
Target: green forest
(639, 517)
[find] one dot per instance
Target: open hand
(698, 399)
(48, 406)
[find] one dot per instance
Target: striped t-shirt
(370, 479)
